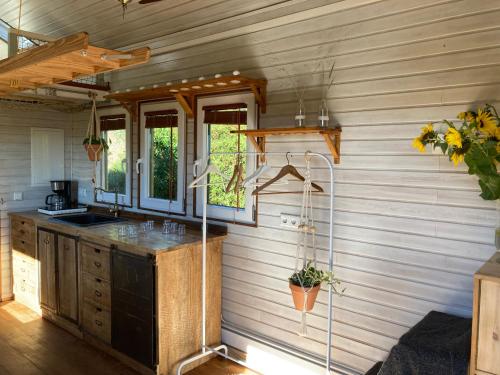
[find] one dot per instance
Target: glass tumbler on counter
(181, 230)
(132, 231)
(123, 230)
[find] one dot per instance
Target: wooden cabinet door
(47, 257)
(67, 277)
(488, 358)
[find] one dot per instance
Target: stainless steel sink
(87, 220)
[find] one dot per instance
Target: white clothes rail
(222, 350)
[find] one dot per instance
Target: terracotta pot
(94, 152)
(299, 294)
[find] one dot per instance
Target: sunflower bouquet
(476, 140)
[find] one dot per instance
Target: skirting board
(271, 361)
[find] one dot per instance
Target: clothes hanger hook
(288, 157)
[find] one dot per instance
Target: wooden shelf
(185, 93)
(62, 60)
(331, 136)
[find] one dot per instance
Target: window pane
(163, 161)
(221, 140)
(116, 161)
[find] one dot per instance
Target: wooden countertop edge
(85, 234)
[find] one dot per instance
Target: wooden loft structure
(186, 92)
(331, 137)
(63, 60)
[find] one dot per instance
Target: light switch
(18, 196)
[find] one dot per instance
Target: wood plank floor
(30, 345)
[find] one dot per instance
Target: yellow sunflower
(417, 143)
(427, 129)
(462, 115)
(486, 123)
(497, 133)
(453, 138)
(457, 158)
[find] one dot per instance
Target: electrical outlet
(289, 221)
(83, 192)
(18, 195)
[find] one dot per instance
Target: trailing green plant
(96, 140)
(475, 141)
(309, 277)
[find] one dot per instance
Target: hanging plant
(305, 285)
(93, 143)
(476, 141)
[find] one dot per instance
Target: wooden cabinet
(47, 258)
(25, 277)
(67, 277)
(485, 358)
(24, 264)
(96, 291)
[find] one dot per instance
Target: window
(162, 156)
(217, 117)
(115, 166)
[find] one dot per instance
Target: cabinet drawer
(97, 322)
(23, 229)
(96, 261)
(96, 290)
(24, 246)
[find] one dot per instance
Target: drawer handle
(22, 222)
(97, 264)
(98, 323)
(22, 231)
(495, 336)
(23, 242)
(98, 294)
(97, 251)
(98, 280)
(98, 309)
(46, 241)
(66, 247)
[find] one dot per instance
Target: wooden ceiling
(102, 19)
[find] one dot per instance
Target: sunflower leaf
(490, 187)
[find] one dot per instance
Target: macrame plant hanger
(306, 241)
(91, 134)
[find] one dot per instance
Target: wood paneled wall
(15, 169)
(410, 229)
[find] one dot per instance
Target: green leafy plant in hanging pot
(95, 145)
(305, 284)
(476, 140)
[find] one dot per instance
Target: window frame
(144, 201)
(221, 213)
(124, 200)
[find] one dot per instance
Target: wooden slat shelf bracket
(331, 137)
(186, 93)
(63, 60)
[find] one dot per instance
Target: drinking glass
(132, 231)
(181, 230)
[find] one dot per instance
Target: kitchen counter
(138, 299)
(107, 234)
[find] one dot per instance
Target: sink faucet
(115, 209)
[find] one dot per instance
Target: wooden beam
(139, 56)
(41, 54)
(186, 106)
(30, 35)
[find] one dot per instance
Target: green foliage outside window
(221, 140)
(163, 171)
(115, 161)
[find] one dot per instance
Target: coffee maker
(64, 199)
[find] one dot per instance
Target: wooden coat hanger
(286, 170)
